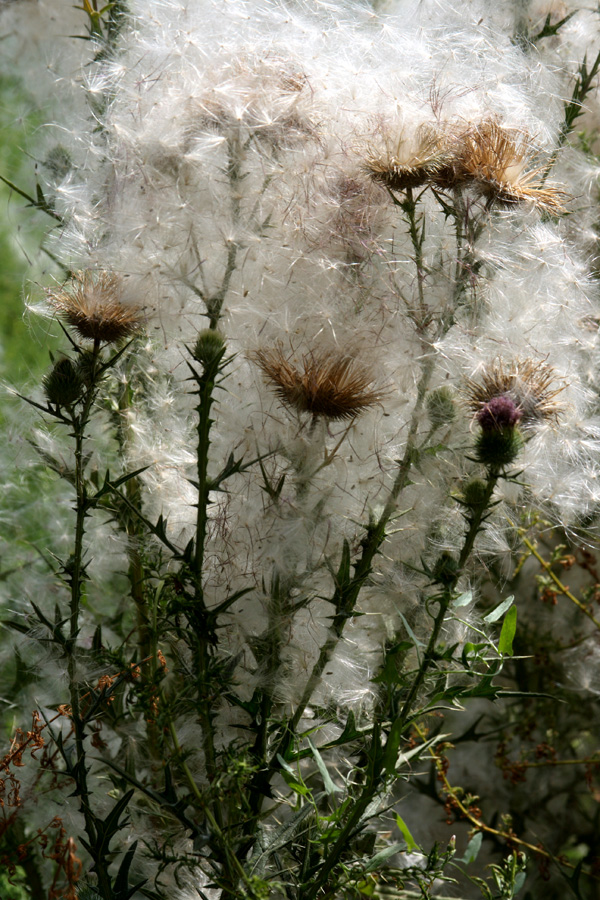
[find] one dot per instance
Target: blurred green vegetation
(23, 343)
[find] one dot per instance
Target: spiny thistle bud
(497, 448)
(62, 385)
(209, 347)
(474, 493)
(445, 569)
(440, 407)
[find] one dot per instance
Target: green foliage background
(23, 345)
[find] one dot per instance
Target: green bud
(210, 345)
(445, 569)
(497, 449)
(474, 493)
(440, 406)
(62, 385)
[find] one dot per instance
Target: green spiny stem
(375, 776)
(417, 236)
(235, 175)
(444, 599)
(79, 423)
(202, 649)
(368, 792)
(345, 597)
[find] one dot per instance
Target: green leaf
(327, 782)
(499, 611)
(472, 851)
(411, 844)
(380, 857)
(509, 627)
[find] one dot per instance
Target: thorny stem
(216, 827)
(202, 648)
(416, 230)
(475, 523)
(374, 754)
(345, 597)
(76, 574)
(235, 175)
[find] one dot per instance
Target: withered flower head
(520, 392)
(398, 167)
(496, 158)
(325, 383)
(92, 304)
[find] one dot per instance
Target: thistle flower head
(325, 383)
(496, 158)
(520, 393)
(92, 304)
(499, 413)
(399, 167)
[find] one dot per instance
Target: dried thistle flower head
(496, 158)
(398, 167)
(520, 392)
(325, 383)
(92, 304)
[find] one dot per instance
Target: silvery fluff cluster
(377, 210)
(247, 172)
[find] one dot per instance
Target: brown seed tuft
(527, 383)
(92, 305)
(325, 383)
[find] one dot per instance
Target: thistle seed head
(92, 304)
(399, 168)
(325, 383)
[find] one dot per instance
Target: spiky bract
(330, 384)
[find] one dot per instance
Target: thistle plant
(329, 364)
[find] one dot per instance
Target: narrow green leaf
(327, 782)
(509, 627)
(380, 857)
(411, 844)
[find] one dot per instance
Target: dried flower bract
(496, 158)
(325, 383)
(399, 169)
(93, 305)
(528, 384)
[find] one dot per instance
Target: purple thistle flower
(498, 414)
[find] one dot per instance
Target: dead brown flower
(399, 168)
(527, 383)
(497, 159)
(92, 304)
(325, 383)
